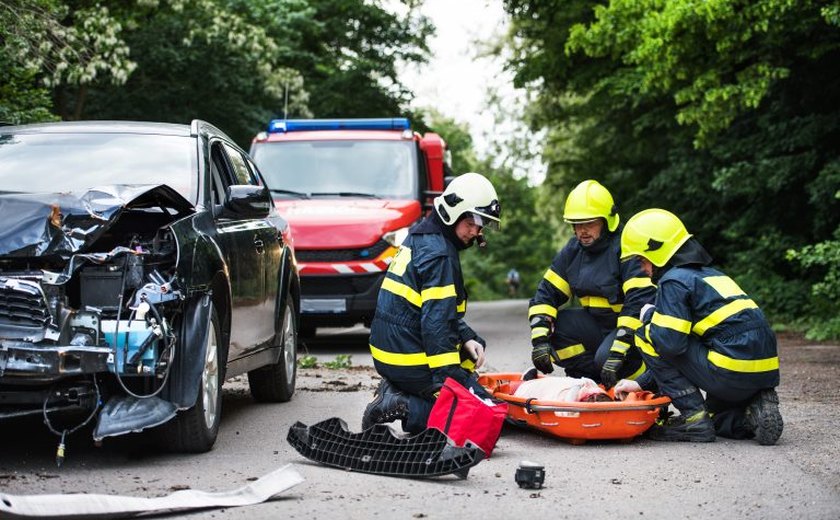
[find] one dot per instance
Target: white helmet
(469, 193)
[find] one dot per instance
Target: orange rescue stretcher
(577, 422)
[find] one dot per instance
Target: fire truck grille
(342, 255)
(22, 304)
(347, 285)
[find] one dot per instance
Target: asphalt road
(800, 477)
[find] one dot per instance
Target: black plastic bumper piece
(376, 450)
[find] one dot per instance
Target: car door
(273, 243)
(243, 246)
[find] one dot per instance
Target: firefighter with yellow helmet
(593, 341)
(704, 333)
(418, 336)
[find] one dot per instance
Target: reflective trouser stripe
(542, 308)
(571, 351)
(462, 307)
(398, 359)
(743, 365)
(721, 314)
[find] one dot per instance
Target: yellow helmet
(655, 234)
(589, 201)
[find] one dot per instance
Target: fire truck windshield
(382, 169)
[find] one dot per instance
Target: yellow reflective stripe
(599, 302)
(629, 322)
(542, 308)
(557, 281)
(398, 359)
(725, 286)
(635, 375)
(670, 322)
(646, 347)
(572, 351)
(620, 347)
(400, 289)
(462, 307)
(442, 360)
(743, 365)
(468, 365)
(536, 332)
(722, 314)
(438, 293)
(636, 283)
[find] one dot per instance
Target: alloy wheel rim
(210, 379)
(289, 344)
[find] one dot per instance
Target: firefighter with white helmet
(418, 336)
(593, 341)
(704, 333)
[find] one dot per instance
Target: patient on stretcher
(562, 389)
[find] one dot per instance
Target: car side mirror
(245, 200)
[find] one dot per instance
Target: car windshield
(63, 162)
(382, 169)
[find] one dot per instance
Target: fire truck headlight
(395, 237)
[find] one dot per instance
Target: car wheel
(276, 383)
(195, 430)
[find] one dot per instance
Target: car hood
(62, 224)
(343, 223)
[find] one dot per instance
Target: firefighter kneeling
(418, 336)
(703, 333)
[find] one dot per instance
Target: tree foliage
(524, 242)
(723, 111)
(236, 63)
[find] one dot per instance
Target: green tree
(725, 112)
(44, 44)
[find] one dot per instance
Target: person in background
(513, 282)
(418, 336)
(703, 333)
(593, 341)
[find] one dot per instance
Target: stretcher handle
(530, 408)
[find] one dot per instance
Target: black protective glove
(609, 372)
(542, 356)
(618, 352)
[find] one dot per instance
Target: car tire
(195, 430)
(275, 383)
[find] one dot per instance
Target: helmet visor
(485, 221)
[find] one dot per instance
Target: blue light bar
(302, 125)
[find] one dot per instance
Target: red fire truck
(350, 189)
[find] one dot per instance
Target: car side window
(220, 175)
(241, 171)
(254, 171)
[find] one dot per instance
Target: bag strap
(452, 408)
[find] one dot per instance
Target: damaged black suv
(141, 265)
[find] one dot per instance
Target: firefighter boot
(388, 405)
(694, 427)
(762, 417)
